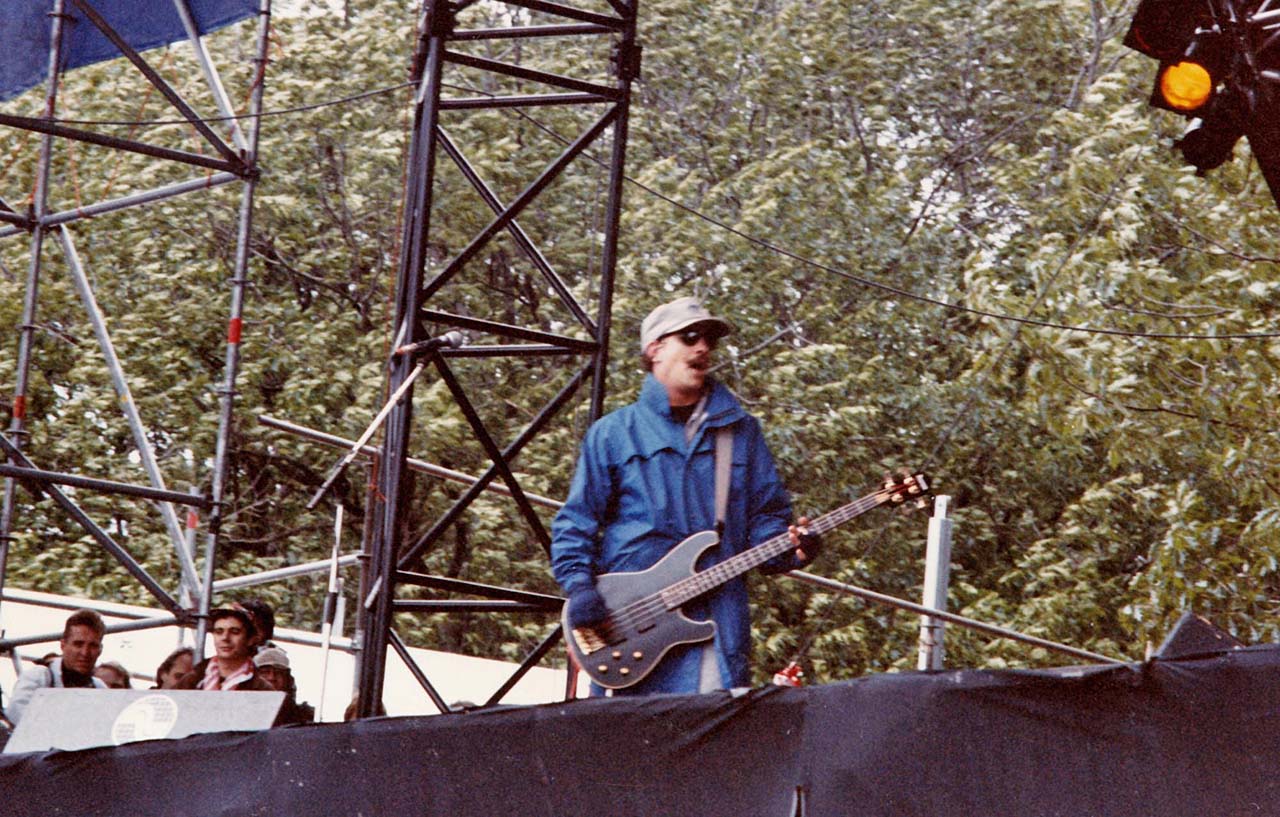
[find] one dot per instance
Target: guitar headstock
(907, 487)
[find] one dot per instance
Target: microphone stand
(450, 339)
(342, 464)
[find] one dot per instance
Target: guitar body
(624, 649)
(644, 620)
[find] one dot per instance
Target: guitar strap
(724, 467)
(709, 669)
(724, 458)
(694, 422)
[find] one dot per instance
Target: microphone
(449, 340)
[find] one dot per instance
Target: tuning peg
(915, 483)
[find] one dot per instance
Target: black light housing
(1210, 141)
(1164, 28)
(1220, 67)
(1188, 80)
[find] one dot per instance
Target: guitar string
(643, 610)
(647, 609)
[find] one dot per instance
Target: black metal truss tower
(443, 37)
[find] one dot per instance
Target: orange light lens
(1186, 86)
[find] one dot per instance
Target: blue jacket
(640, 490)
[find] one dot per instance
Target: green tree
(829, 176)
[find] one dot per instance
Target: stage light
(1202, 73)
(1185, 86)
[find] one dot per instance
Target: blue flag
(26, 29)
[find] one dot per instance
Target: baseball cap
(271, 657)
(675, 316)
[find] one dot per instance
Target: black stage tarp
(1192, 737)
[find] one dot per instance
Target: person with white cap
(273, 667)
(645, 481)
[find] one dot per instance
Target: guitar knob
(625, 671)
(637, 655)
(603, 668)
(617, 654)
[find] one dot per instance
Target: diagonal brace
(484, 479)
(163, 87)
(522, 201)
(122, 556)
(522, 239)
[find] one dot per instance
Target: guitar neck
(716, 575)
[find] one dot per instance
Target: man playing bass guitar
(645, 481)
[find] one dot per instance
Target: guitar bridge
(588, 640)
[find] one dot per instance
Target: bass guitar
(645, 621)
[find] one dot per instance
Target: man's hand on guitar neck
(808, 545)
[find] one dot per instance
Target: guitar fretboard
(693, 586)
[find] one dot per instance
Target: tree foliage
(876, 194)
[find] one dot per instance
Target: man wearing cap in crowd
(231, 665)
(273, 667)
(645, 481)
(264, 622)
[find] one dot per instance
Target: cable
(1094, 330)
(760, 242)
(867, 282)
(261, 115)
(1008, 345)
(814, 627)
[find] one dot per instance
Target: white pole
(210, 72)
(340, 612)
(937, 576)
(142, 443)
(326, 629)
(188, 595)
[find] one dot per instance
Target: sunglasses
(690, 337)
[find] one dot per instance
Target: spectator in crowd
(231, 666)
(264, 620)
(81, 645)
(171, 669)
(273, 667)
(114, 675)
(353, 709)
